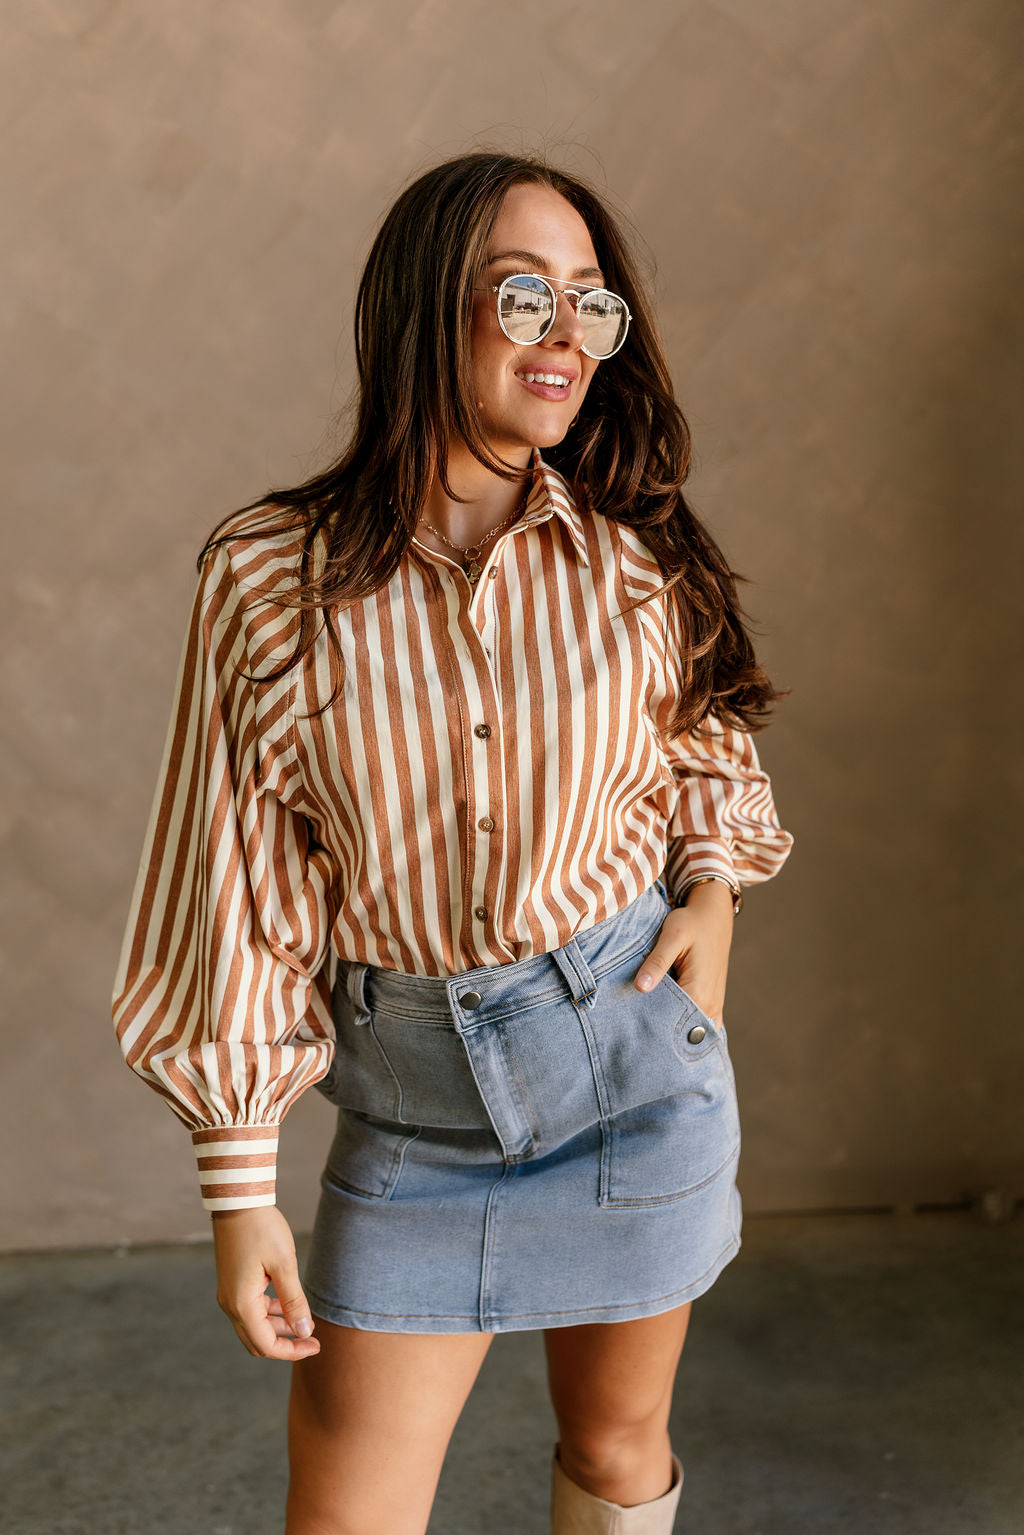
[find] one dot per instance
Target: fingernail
(645, 980)
(303, 1327)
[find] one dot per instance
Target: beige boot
(575, 1512)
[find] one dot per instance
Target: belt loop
(582, 983)
(355, 981)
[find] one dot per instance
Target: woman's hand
(695, 941)
(254, 1248)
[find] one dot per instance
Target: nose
(565, 328)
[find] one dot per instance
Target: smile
(549, 385)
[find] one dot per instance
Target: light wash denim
(562, 1152)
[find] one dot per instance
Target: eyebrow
(539, 263)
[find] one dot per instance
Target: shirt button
(483, 731)
(480, 911)
(485, 823)
(493, 571)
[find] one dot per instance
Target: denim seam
(399, 1092)
(490, 1236)
(397, 1161)
(609, 1201)
(522, 1099)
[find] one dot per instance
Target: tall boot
(575, 1512)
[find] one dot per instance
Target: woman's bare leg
(611, 1388)
(369, 1422)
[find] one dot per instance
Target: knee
(605, 1455)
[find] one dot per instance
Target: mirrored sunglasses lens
(525, 307)
(603, 317)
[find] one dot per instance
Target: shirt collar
(551, 494)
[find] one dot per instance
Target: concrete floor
(850, 1373)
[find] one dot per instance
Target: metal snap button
(470, 1000)
(696, 1034)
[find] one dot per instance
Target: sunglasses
(526, 312)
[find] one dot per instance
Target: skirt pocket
(366, 1154)
(402, 1067)
(359, 1076)
(671, 1121)
(394, 1078)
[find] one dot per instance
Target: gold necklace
(473, 550)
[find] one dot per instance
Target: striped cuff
(690, 857)
(237, 1166)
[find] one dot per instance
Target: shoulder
(248, 575)
(260, 548)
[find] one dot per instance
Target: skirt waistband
(478, 994)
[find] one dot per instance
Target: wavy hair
(627, 456)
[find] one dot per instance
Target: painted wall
(828, 193)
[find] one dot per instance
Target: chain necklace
(473, 550)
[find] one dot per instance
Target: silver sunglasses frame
(577, 293)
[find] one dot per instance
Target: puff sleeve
(724, 819)
(221, 1000)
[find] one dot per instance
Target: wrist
(240, 1216)
(708, 890)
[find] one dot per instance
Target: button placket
(482, 730)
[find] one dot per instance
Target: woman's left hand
(694, 941)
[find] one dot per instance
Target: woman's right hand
(254, 1248)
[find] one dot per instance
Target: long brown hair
(627, 457)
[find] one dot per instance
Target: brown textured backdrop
(831, 195)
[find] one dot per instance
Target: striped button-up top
(489, 782)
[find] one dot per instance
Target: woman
(458, 797)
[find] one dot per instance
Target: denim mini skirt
(527, 1145)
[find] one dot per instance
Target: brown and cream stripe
(489, 782)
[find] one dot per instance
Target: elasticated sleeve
(724, 820)
(221, 1000)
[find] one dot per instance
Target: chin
(506, 440)
(542, 433)
(552, 438)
